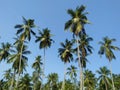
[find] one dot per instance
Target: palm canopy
(77, 21)
(44, 38)
(25, 82)
(5, 51)
(52, 78)
(37, 64)
(65, 52)
(107, 48)
(89, 80)
(85, 48)
(15, 58)
(103, 78)
(25, 29)
(72, 71)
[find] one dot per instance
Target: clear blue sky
(104, 15)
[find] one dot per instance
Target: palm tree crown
(65, 52)
(26, 29)
(107, 48)
(77, 21)
(44, 38)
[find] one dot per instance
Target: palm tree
(116, 78)
(89, 80)
(14, 59)
(72, 73)
(66, 56)
(8, 79)
(107, 49)
(76, 25)
(52, 81)
(25, 82)
(104, 80)
(24, 30)
(5, 51)
(45, 42)
(37, 73)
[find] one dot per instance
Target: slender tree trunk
(113, 87)
(43, 76)
(63, 83)
(20, 63)
(80, 65)
(12, 83)
(106, 86)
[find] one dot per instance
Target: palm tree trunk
(12, 83)
(106, 86)
(78, 51)
(63, 83)
(113, 87)
(43, 76)
(20, 63)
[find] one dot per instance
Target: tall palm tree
(24, 31)
(65, 53)
(89, 80)
(76, 25)
(15, 60)
(37, 73)
(104, 80)
(45, 42)
(107, 49)
(5, 51)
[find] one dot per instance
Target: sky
(52, 14)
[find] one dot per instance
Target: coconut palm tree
(89, 80)
(52, 81)
(106, 49)
(65, 53)
(45, 42)
(85, 50)
(24, 31)
(25, 82)
(72, 72)
(37, 73)
(116, 78)
(5, 51)
(104, 80)
(15, 60)
(76, 25)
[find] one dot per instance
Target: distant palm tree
(37, 73)
(76, 25)
(104, 80)
(5, 51)
(52, 81)
(65, 53)
(8, 79)
(72, 72)
(45, 42)
(89, 80)
(107, 49)
(25, 82)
